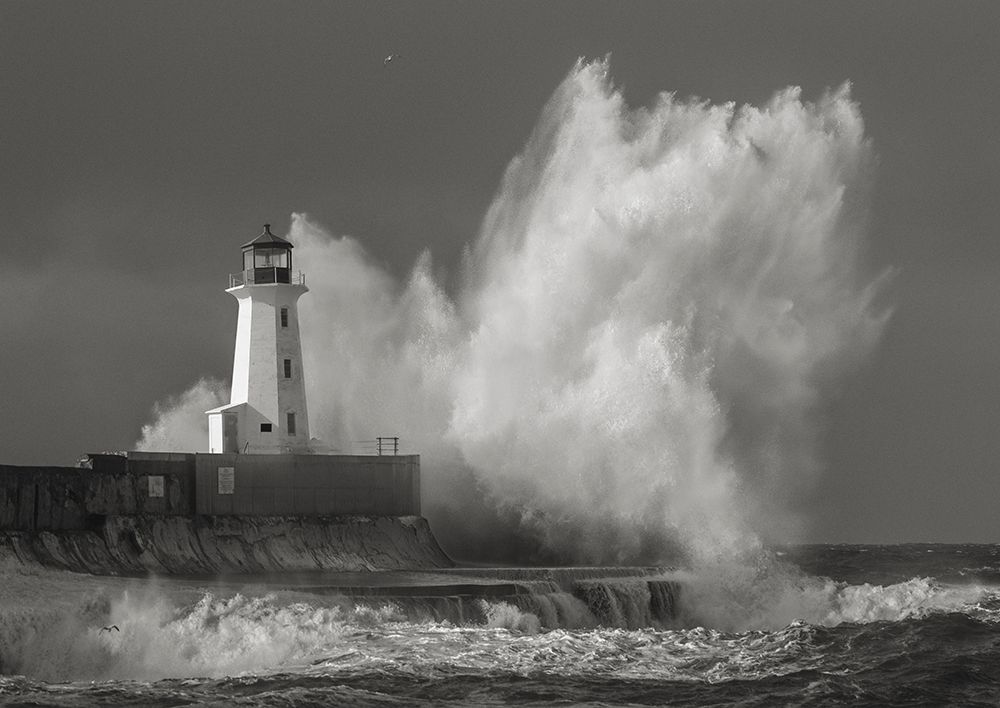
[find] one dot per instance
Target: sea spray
(635, 364)
(175, 630)
(179, 423)
(143, 633)
(654, 309)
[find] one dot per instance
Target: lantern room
(267, 259)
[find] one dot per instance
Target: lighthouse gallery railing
(264, 276)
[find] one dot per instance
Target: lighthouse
(267, 408)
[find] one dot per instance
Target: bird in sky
(391, 58)
(108, 629)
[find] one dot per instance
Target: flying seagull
(391, 58)
(108, 629)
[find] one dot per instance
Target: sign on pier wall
(155, 485)
(227, 480)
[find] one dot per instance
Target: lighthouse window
(284, 316)
(291, 424)
(270, 258)
(288, 368)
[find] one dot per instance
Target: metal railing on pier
(378, 446)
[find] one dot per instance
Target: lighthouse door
(230, 432)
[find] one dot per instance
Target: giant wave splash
(634, 366)
(635, 362)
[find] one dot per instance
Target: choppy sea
(809, 625)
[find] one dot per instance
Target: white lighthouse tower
(267, 407)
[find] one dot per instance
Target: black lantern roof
(266, 238)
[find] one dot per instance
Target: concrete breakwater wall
(184, 484)
(210, 545)
(195, 513)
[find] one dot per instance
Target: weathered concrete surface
(63, 498)
(211, 545)
(68, 498)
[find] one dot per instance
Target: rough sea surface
(816, 625)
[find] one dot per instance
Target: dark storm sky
(142, 143)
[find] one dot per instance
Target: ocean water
(813, 625)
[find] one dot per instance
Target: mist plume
(180, 423)
(634, 367)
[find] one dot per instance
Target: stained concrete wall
(71, 498)
(41, 498)
(66, 498)
(112, 489)
(297, 485)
